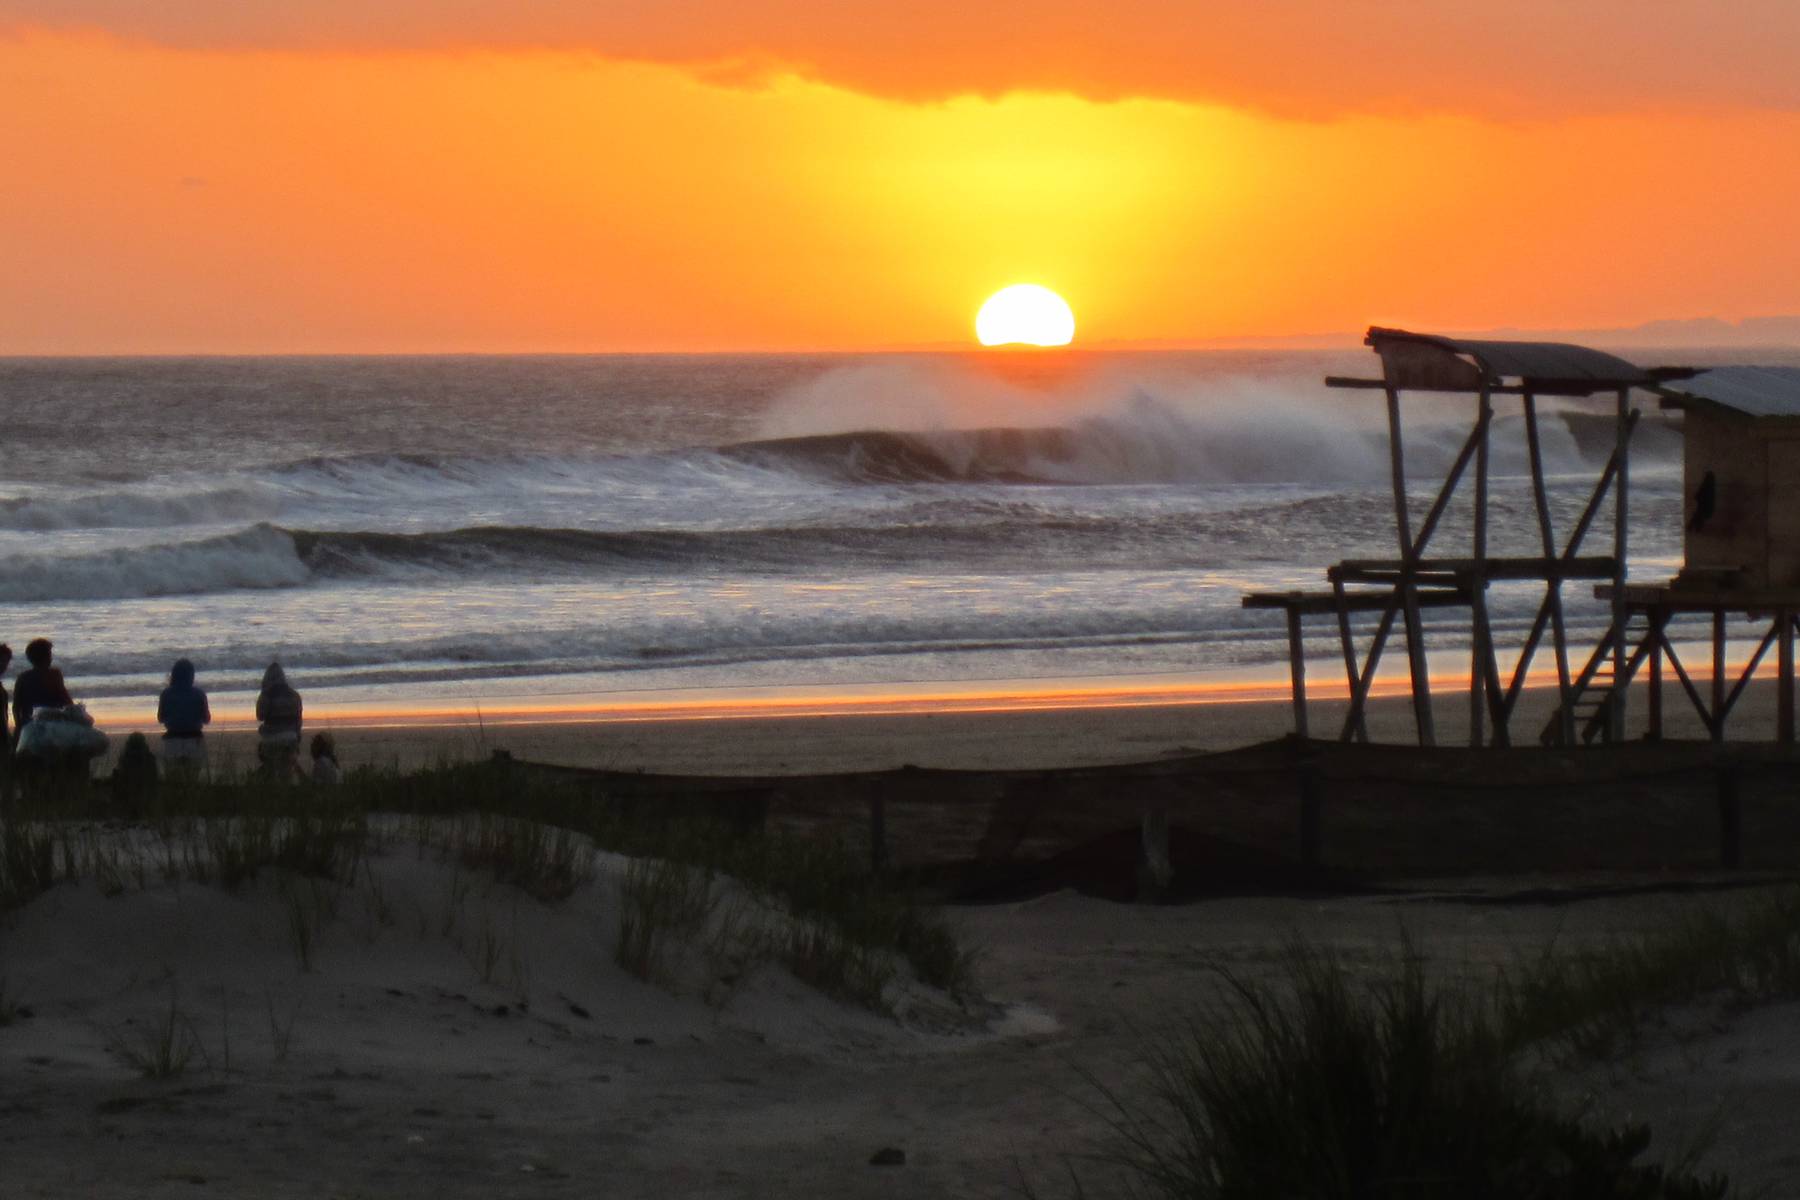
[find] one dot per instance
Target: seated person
(278, 710)
(184, 713)
(40, 686)
(325, 764)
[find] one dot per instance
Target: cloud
(1307, 58)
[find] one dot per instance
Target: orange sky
(259, 176)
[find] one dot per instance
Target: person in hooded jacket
(278, 710)
(184, 715)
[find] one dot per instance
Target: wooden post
(1479, 646)
(1730, 819)
(1421, 673)
(1477, 682)
(1559, 637)
(1487, 667)
(1297, 669)
(1409, 599)
(1718, 675)
(1615, 707)
(1784, 658)
(1397, 468)
(1658, 619)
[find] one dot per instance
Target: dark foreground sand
(452, 1039)
(406, 1075)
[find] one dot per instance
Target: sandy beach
(391, 1069)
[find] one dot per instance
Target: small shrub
(163, 1048)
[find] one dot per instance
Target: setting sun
(1025, 314)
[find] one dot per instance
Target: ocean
(469, 531)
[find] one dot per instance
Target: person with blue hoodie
(184, 715)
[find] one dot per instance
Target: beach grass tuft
(662, 904)
(163, 1047)
(1323, 1081)
(1598, 1002)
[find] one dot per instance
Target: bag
(67, 734)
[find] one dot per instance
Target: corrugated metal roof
(1753, 391)
(1557, 362)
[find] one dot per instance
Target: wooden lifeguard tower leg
(1297, 670)
(1355, 723)
(1658, 618)
(1615, 703)
(1718, 674)
(1409, 592)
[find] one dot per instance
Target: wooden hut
(1742, 478)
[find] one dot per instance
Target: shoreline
(797, 741)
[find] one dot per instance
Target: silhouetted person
(6, 779)
(278, 711)
(5, 662)
(325, 764)
(184, 715)
(134, 778)
(39, 686)
(1706, 499)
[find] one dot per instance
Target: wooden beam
(1359, 695)
(1718, 675)
(1657, 620)
(1434, 570)
(1315, 604)
(1417, 666)
(1687, 684)
(1749, 672)
(1477, 435)
(1485, 685)
(1592, 509)
(1539, 387)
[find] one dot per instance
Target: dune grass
(1597, 1003)
(527, 830)
(1325, 1080)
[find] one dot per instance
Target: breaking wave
(1146, 443)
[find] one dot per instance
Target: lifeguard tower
(1747, 563)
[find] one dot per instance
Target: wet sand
(997, 733)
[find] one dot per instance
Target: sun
(1025, 314)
